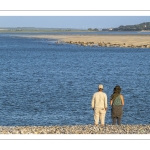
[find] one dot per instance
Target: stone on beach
(108, 44)
(77, 129)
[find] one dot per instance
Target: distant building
(107, 29)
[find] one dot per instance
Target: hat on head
(100, 86)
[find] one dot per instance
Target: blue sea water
(43, 83)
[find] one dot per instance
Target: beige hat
(100, 86)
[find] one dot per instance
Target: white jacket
(99, 100)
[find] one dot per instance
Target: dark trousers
(118, 121)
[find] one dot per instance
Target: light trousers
(99, 115)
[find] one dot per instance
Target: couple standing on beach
(99, 105)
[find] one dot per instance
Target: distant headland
(144, 27)
(138, 27)
(101, 40)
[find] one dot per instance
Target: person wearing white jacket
(99, 105)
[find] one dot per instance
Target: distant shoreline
(100, 40)
(5, 30)
(37, 31)
(145, 31)
(134, 41)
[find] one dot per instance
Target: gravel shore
(76, 129)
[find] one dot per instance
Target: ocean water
(43, 83)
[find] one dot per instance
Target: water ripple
(49, 84)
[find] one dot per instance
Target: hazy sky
(71, 21)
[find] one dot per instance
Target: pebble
(77, 129)
(108, 44)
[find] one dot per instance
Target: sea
(43, 83)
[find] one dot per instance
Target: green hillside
(137, 27)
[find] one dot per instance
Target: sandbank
(142, 41)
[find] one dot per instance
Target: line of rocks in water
(108, 44)
(77, 129)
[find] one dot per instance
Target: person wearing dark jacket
(117, 102)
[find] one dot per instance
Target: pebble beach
(77, 129)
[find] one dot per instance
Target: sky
(78, 22)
